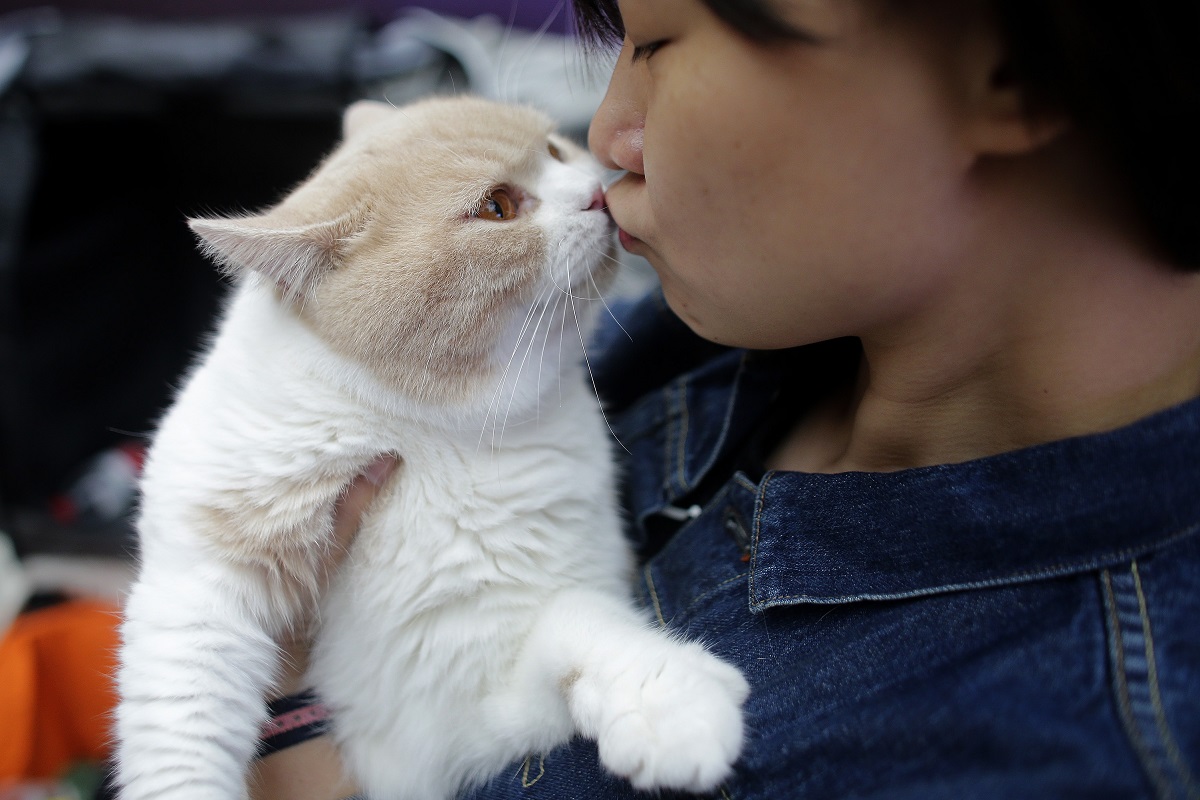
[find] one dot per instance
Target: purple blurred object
(527, 14)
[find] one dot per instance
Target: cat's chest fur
(450, 572)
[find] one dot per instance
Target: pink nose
(598, 202)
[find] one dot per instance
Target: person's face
(787, 193)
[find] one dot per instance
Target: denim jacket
(1025, 625)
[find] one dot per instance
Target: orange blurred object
(56, 689)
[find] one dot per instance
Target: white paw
(673, 720)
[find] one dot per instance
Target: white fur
(483, 613)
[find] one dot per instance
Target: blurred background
(118, 119)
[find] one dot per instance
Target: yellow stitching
(744, 482)
(760, 504)
(1127, 720)
(1160, 714)
(525, 782)
(653, 596)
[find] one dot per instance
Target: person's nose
(615, 135)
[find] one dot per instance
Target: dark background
(104, 299)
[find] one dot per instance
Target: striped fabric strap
(293, 719)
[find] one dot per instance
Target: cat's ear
(363, 114)
(295, 258)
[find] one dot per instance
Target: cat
(422, 293)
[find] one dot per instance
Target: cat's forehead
(436, 158)
(450, 150)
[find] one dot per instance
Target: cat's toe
(676, 725)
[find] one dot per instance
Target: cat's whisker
(513, 73)
(562, 327)
(503, 377)
(567, 290)
(493, 410)
(505, 41)
(604, 254)
(588, 362)
(524, 359)
(493, 407)
(607, 308)
(542, 358)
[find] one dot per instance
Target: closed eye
(642, 52)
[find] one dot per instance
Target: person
(912, 424)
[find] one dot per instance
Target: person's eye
(642, 52)
(498, 206)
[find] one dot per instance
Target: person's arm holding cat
(311, 769)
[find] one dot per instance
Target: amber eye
(498, 206)
(555, 153)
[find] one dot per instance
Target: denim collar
(1054, 509)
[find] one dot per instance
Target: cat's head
(437, 244)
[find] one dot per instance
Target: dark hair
(599, 22)
(1127, 74)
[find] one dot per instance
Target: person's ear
(999, 119)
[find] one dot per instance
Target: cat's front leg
(221, 581)
(665, 713)
(194, 666)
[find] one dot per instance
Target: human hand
(347, 517)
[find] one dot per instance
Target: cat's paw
(673, 721)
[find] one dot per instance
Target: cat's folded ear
(295, 258)
(363, 114)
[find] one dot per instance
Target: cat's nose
(598, 201)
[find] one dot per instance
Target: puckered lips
(628, 241)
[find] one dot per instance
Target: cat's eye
(498, 206)
(555, 153)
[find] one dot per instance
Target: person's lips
(628, 240)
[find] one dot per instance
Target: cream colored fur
(483, 612)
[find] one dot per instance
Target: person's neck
(1067, 333)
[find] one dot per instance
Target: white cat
(420, 294)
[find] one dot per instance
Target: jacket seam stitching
(759, 505)
(1121, 690)
(1160, 713)
(649, 579)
